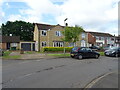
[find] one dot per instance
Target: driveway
(56, 73)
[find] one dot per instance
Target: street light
(64, 33)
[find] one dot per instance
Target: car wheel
(80, 57)
(72, 56)
(116, 55)
(96, 56)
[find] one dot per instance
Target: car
(115, 52)
(1, 52)
(94, 48)
(83, 52)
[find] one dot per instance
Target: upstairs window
(44, 44)
(44, 33)
(58, 33)
(83, 35)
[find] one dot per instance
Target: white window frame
(57, 44)
(44, 32)
(45, 44)
(58, 33)
(83, 35)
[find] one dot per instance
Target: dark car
(94, 48)
(115, 52)
(83, 52)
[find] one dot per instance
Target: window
(71, 44)
(58, 44)
(102, 38)
(44, 44)
(83, 35)
(97, 38)
(44, 33)
(14, 44)
(58, 33)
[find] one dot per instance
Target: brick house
(101, 39)
(9, 42)
(50, 36)
(117, 41)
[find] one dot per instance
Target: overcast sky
(92, 15)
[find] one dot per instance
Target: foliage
(55, 49)
(72, 34)
(18, 28)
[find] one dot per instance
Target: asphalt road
(55, 73)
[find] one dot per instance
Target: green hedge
(56, 49)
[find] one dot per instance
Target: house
(117, 41)
(50, 36)
(101, 39)
(9, 42)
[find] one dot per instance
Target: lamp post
(64, 33)
(48, 38)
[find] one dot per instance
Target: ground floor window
(58, 44)
(83, 43)
(44, 44)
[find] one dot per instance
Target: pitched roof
(45, 26)
(10, 39)
(101, 34)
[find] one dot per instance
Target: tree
(18, 28)
(72, 34)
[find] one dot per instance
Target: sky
(92, 15)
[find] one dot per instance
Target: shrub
(56, 49)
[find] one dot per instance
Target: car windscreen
(75, 49)
(114, 48)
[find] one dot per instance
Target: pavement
(109, 80)
(32, 56)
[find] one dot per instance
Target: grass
(12, 57)
(29, 52)
(7, 53)
(101, 53)
(59, 55)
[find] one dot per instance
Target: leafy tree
(72, 34)
(18, 28)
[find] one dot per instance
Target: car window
(88, 49)
(75, 49)
(82, 49)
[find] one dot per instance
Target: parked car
(113, 52)
(94, 48)
(1, 52)
(83, 52)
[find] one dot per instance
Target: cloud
(94, 15)
(91, 14)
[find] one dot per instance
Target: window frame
(44, 32)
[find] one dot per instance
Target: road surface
(56, 73)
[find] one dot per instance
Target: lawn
(59, 55)
(101, 53)
(7, 55)
(12, 57)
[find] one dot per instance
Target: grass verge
(101, 53)
(12, 57)
(59, 55)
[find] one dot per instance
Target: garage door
(26, 46)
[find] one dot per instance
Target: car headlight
(113, 51)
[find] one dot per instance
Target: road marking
(96, 80)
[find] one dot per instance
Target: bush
(56, 49)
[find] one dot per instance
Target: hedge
(56, 49)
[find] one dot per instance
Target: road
(55, 73)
